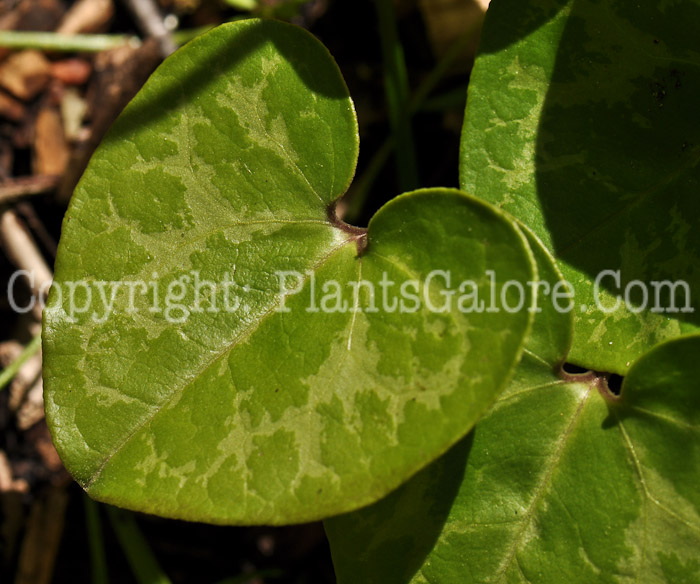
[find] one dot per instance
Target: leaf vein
(544, 483)
(178, 392)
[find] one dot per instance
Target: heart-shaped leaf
(560, 482)
(219, 346)
(582, 122)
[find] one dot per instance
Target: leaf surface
(582, 122)
(245, 381)
(559, 482)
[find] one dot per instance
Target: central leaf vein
(542, 488)
(227, 349)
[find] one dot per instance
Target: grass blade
(138, 553)
(93, 525)
(11, 370)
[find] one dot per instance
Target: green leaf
(264, 399)
(560, 482)
(393, 540)
(582, 122)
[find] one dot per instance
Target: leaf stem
(138, 553)
(362, 186)
(443, 66)
(11, 370)
(93, 525)
(397, 95)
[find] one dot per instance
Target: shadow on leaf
(404, 526)
(618, 148)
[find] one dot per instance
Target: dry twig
(151, 23)
(19, 188)
(23, 252)
(120, 73)
(42, 538)
(87, 16)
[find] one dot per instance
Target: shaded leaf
(581, 122)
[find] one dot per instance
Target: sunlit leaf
(275, 393)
